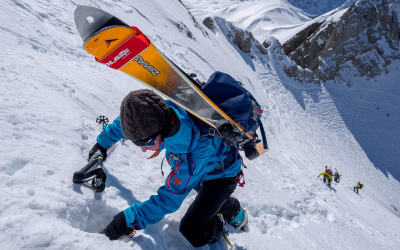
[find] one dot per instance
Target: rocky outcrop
(244, 40)
(182, 27)
(361, 42)
(262, 49)
(196, 24)
(209, 23)
(299, 38)
(288, 66)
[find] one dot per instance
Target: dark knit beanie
(143, 113)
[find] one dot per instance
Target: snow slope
(51, 92)
(262, 18)
(317, 7)
(370, 68)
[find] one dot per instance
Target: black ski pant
(355, 189)
(326, 178)
(200, 225)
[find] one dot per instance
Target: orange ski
(127, 49)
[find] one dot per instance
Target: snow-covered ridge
(261, 18)
(271, 48)
(317, 7)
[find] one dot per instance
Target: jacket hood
(185, 140)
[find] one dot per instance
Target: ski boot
(241, 220)
(224, 233)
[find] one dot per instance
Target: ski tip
(89, 20)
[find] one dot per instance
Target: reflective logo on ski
(121, 54)
(146, 65)
(110, 41)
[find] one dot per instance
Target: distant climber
(357, 187)
(387, 115)
(327, 175)
(336, 176)
(377, 108)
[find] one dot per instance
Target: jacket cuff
(104, 141)
(131, 220)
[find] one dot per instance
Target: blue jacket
(206, 153)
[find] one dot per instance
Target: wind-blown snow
(260, 17)
(317, 7)
(278, 18)
(51, 92)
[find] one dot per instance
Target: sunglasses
(150, 143)
(147, 143)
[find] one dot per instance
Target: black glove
(94, 150)
(117, 227)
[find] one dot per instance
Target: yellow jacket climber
(326, 174)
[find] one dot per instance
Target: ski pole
(79, 175)
(98, 182)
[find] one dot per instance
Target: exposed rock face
(365, 37)
(196, 24)
(209, 23)
(299, 38)
(288, 66)
(266, 43)
(182, 27)
(261, 49)
(243, 39)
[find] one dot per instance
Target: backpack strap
(255, 110)
(162, 172)
(264, 138)
(189, 160)
(211, 132)
(178, 157)
(205, 129)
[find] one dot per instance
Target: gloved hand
(117, 227)
(94, 150)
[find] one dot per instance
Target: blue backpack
(238, 103)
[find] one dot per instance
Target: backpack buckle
(175, 157)
(211, 131)
(255, 110)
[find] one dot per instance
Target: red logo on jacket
(176, 182)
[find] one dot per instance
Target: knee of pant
(187, 230)
(184, 227)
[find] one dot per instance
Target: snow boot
(241, 220)
(224, 233)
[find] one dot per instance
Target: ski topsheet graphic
(118, 46)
